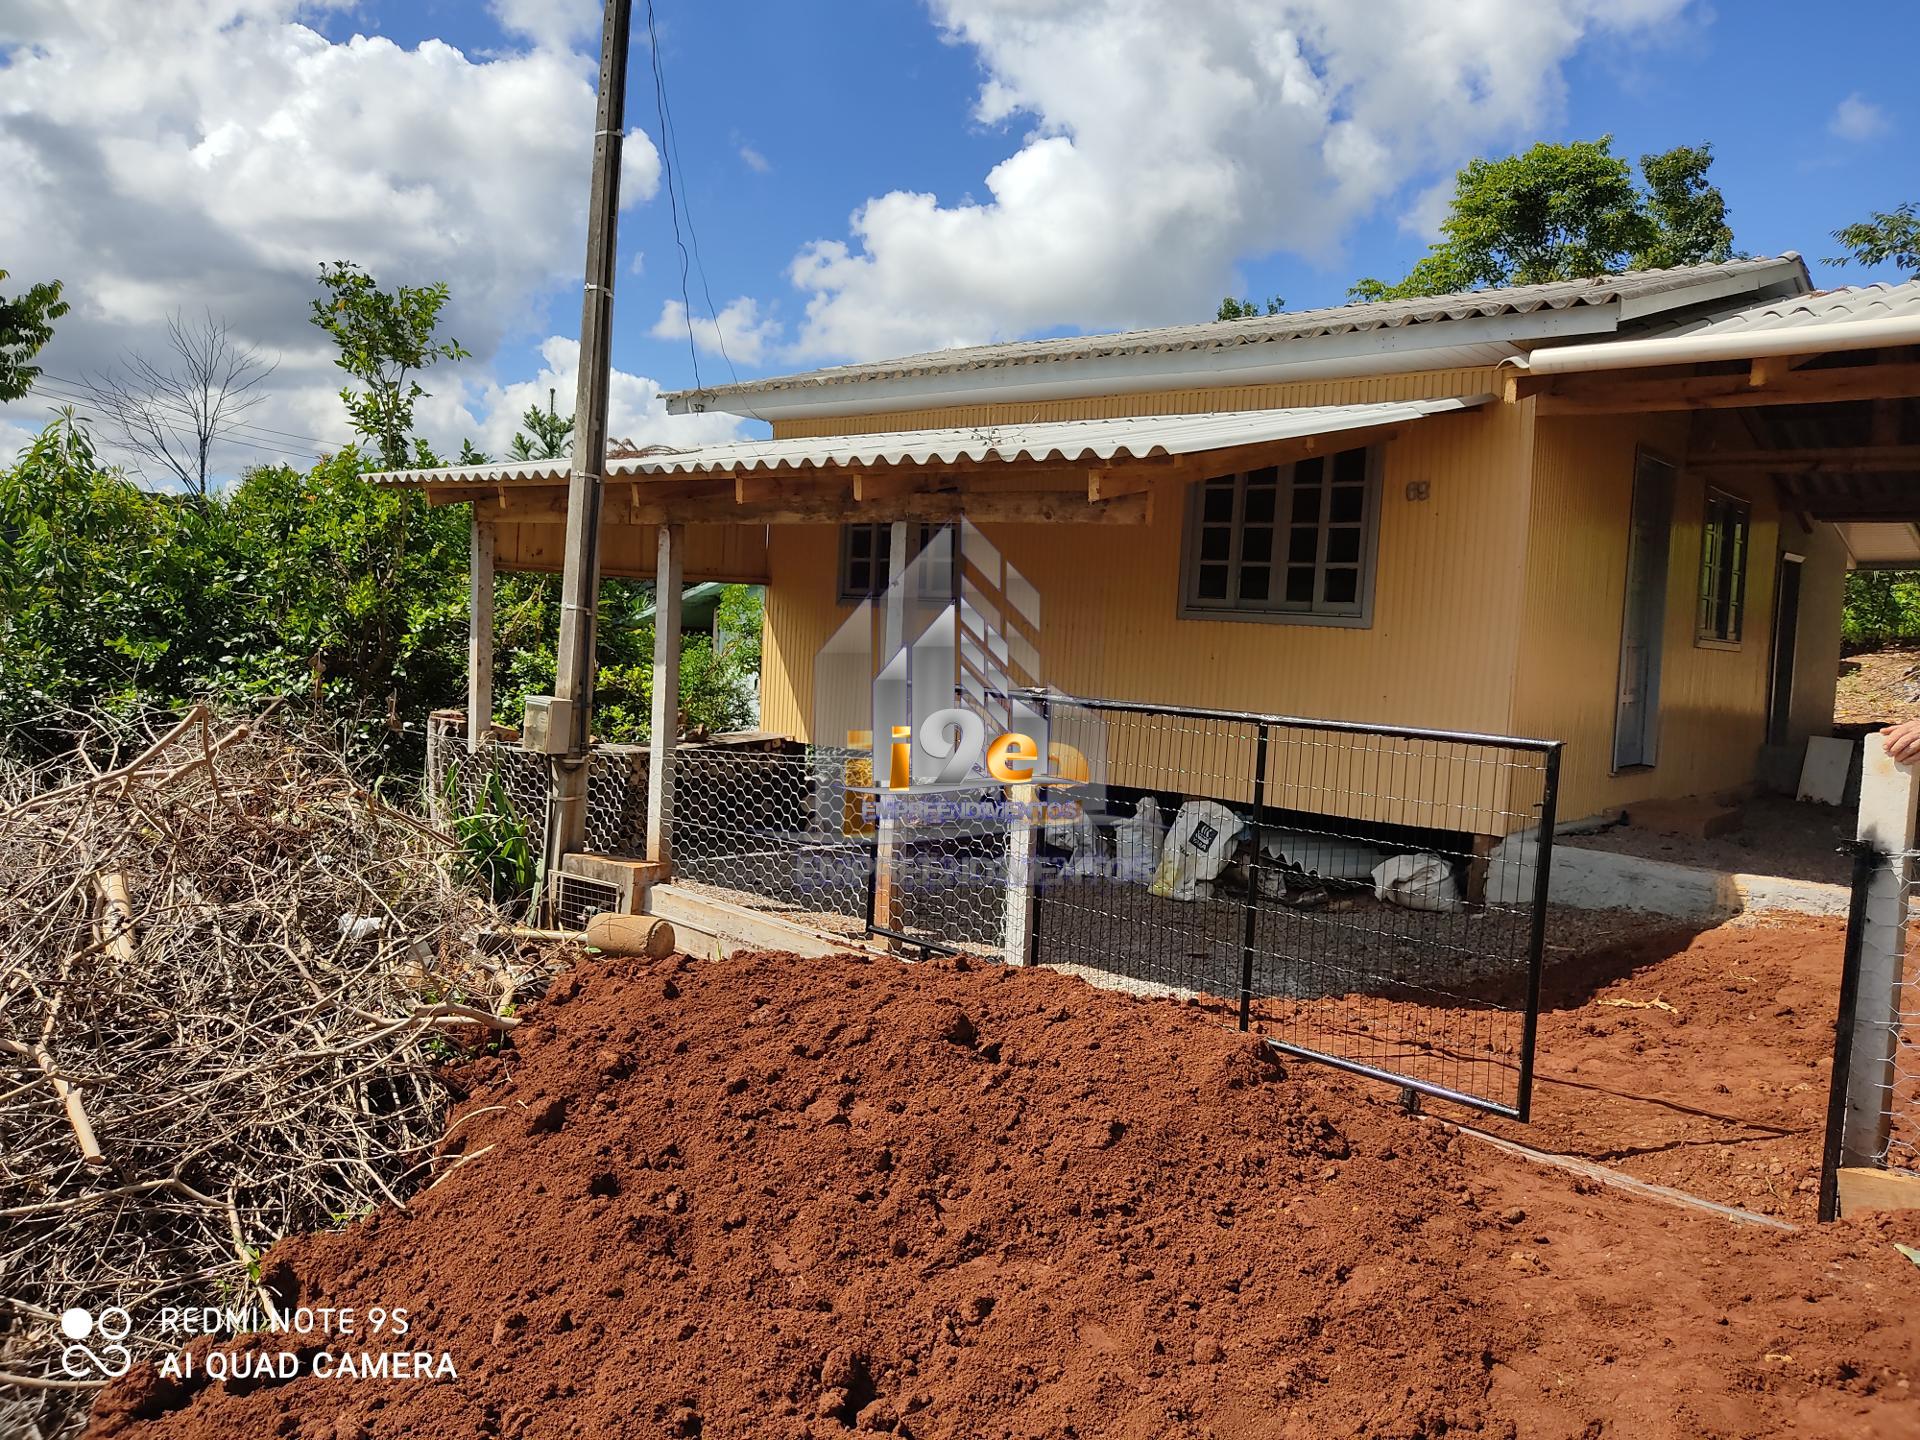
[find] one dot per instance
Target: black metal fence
(1371, 896)
(1873, 1115)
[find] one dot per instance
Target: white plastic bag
(1328, 856)
(1416, 882)
(1197, 849)
(1070, 832)
(1136, 843)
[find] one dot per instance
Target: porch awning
(1063, 470)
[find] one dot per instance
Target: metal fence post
(1537, 927)
(1889, 801)
(1865, 863)
(1250, 924)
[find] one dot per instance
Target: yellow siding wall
(1440, 651)
(1816, 653)
(1712, 700)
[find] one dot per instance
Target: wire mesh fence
(945, 874)
(1368, 896)
(462, 781)
(781, 831)
(1874, 1104)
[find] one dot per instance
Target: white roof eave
(1142, 437)
(1480, 341)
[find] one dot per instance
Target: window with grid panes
(864, 560)
(1286, 542)
(1723, 569)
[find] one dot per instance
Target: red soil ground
(1696, 1059)
(772, 1197)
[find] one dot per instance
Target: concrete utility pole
(580, 580)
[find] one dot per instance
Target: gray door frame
(1643, 619)
(1786, 645)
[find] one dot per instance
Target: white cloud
(748, 335)
(550, 24)
(1167, 142)
(754, 160)
(181, 154)
(1857, 118)
(14, 437)
(635, 411)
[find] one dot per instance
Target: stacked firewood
(227, 974)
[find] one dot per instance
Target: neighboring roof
(1817, 307)
(697, 604)
(1139, 437)
(1629, 295)
(1857, 317)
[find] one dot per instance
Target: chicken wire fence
(499, 777)
(1367, 896)
(776, 831)
(1873, 1119)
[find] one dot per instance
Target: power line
(673, 203)
(670, 143)
(78, 397)
(265, 435)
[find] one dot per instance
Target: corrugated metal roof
(1293, 325)
(1818, 307)
(1139, 437)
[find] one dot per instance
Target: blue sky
(859, 98)
(1025, 169)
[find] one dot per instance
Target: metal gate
(1384, 910)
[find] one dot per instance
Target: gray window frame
(1357, 617)
(1741, 508)
(919, 533)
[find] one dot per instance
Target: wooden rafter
(1813, 460)
(1770, 382)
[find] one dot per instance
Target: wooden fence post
(479, 633)
(661, 762)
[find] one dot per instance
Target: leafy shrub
(1882, 609)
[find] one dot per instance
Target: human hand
(1903, 740)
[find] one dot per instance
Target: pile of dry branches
(226, 972)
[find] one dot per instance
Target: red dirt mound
(776, 1197)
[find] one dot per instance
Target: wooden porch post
(886, 888)
(666, 695)
(479, 633)
(1016, 936)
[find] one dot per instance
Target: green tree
(1232, 309)
(1882, 608)
(386, 338)
(1886, 237)
(86, 599)
(1565, 212)
(547, 436)
(26, 325)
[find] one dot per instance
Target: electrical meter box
(546, 727)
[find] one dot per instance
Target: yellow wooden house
(1612, 512)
